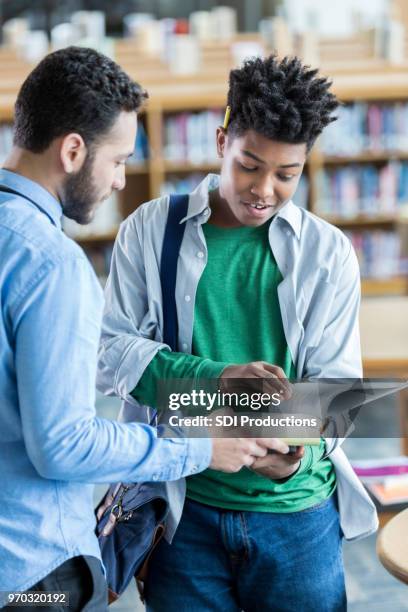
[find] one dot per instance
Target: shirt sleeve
(56, 330)
(167, 365)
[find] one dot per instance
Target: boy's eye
(247, 168)
(286, 177)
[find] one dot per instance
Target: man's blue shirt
(52, 446)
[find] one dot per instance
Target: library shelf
(387, 286)
(360, 221)
(142, 168)
(188, 166)
(96, 239)
(368, 156)
(366, 81)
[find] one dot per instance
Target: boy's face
(258, 176)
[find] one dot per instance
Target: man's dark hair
(280, 99)
(75, 89)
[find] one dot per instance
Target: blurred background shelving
(356, 176)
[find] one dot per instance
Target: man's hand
(276, 465)
(232, 454)
(273, 375)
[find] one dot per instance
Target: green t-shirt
(237, 320)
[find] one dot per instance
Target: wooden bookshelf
(97, 239)
(388, 286)
(142, 168)
(366, 80)
(367, 157)
(186, 166)
(375, 221)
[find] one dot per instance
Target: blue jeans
(227, 561)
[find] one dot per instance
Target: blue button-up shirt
(51, 443)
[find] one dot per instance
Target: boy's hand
(273, 376)
(276, 465)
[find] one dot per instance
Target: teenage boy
(75, 126)
(263, 288)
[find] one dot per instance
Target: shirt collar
(293, 217)
(39, 196)
(199, 205)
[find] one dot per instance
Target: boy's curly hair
(281, 99)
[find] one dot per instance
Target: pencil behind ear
(226, 117)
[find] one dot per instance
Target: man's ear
(73, 152)
(222, 139)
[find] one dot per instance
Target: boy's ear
(221, 137)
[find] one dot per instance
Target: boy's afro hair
(281, 99)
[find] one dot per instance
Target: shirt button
(195, 223)
(288, 232)
(187, 298)
(184, 346)
(200, 254)
(194, 468)
(155, 477)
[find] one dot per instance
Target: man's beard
(80, 193)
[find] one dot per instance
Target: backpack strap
(173, 236)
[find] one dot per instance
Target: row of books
(363, 127)
(186, 184)
(362, 189)
(141, 151)
(378, 252)
(360, 128)
(386, 480)
(191, 136)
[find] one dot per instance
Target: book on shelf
(386, 481)
(393, 490)
(367, 127)
(374, 470)
(141, 151)
(378, 253)
(362, 189)
(175, 184)
(191, 137)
